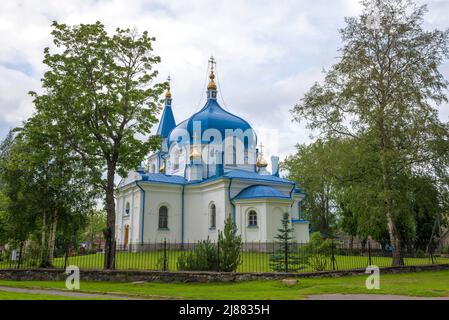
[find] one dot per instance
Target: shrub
(420, 253)
(224, 256)
(285, 259)
(204, 257)
(317, 253)
(230, 247)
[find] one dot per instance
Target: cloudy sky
(268, 52)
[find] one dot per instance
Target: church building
(208, 168)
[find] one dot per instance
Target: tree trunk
(52, 239)
(44, 246)
(392, 230)
(109, 232)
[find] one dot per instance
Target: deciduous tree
(382, 94)
(100, 94)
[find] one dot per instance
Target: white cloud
(269, 52)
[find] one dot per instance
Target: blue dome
(211, 116)
(259, 191)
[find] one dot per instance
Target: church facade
(207, 169)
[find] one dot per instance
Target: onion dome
(261, 162)
(211, 116)
(212, 85)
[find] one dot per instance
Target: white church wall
(269, 217)
(135, 216)
(301, 232)
(274, 220)
(127, 196)
(198, 199)
(157, 196)
(251, 233)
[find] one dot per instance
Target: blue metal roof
(249, 175)
(234, 174)
(211, 116)
(162, 178)
(255, 192)
(167, 123)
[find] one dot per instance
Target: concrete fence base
(158, 276)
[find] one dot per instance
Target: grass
(251, 261)
(424, 284)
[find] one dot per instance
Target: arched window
(252, 219)
(163, 217)
(213, 216)
(127, 209)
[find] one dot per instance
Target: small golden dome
(162, 169)
(261, 162)
(212, 85)
(168, 94)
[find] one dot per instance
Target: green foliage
(47, 191)
(96, 222)
(223, 256)
(99, 95)
(379, 99)
(204, 257)
(317, 253)
(163, 263)
(230, 247)
(285, 258)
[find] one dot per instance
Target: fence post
(286, 256)
(369, 253)
(333, 256)
(164, 261)
(20, 255)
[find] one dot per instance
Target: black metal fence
(330, 255)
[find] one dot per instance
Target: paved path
(368, 297)
(73, 294)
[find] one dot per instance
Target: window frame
(253, 219)
(212, 216)
(127, 210)
(164, 224)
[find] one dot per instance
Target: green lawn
(251, 262)
(424, 284)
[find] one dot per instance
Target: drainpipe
(293, 201)
(230, 200)
(182, 207)
(182, 216)
(142, 228)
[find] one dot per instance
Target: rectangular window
(163, 222)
